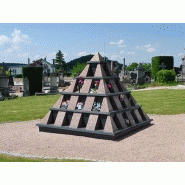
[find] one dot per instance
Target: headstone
(1, 96)
(140, 74)
(53, 83)
(61, 82)
(45, 80)
(4, 88)
(26, 87)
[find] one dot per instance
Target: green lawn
(26, 108)
(165, 102)
(10, 158)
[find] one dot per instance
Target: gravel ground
(162, 87)
(163, 140)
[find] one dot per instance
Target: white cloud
(4, 39)
(151, 50)
(14, 42)
(180, 54)
(118, 43)
(23, 55)
(17, 37)
(121, 52)
(82, 53)
(122, 46)
(113, 57)
(130, 53)
(147, 46)
(37, 57)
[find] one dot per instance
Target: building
(17, 69)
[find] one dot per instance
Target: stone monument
(26, 87)
(4, 80)
(53, 81)
(108, 112)
(140, 74)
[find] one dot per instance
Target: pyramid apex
(97, 58)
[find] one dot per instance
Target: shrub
(18, 76)
(165, 76)
(157, 61)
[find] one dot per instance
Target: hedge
(34, 75)
(165, 75)
(157, 61)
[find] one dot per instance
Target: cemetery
(97, 105)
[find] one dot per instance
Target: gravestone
(4, 88)
(45, 80)
(61, 82)
(26, 87)
(109, 113)
(53, 83)
(140, 74)
(1, 96)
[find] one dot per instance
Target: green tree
(60, 62)
(147, 66)
(132, 66)
(77, 69)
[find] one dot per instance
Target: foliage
(156, 61)
(10, 158)
(147, 66)
(164, 76)
(83, 59)
(77, 69)
(1, 69)
(26, 108)
(37, 63)
(132, 66)
(164, 101)
(19, 76)
(34, 75)
(60, 62)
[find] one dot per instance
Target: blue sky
(136, 42)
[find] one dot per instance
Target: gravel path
(162, 87)
(163, 140)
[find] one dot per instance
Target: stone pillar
(183, 66)
(123, 68)
(53, 84)
(112, 65)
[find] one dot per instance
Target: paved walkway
(164, 140)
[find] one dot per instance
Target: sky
(136, 42)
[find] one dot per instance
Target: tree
(147, 66)
(132, 66)
(77, 69)
(60, 62)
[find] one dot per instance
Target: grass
(164, 102)
(10, 158)
(26, 108)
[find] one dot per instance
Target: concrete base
(88, 133)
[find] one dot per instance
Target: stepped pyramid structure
(96, 104)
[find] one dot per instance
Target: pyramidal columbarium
(96, 105)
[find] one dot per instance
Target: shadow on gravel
(134, 132)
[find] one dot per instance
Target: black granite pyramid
(96, 104)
